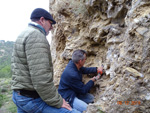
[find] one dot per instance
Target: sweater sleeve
(41, 69)
(88, 70)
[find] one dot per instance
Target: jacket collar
(38, 26)
(72, 64)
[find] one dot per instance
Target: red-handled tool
(100, 73)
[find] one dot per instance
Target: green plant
(1, 100)
(6, 97)
(12, 107)
(5, 72)
(99, 110)
(6, 49)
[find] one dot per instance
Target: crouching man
(71, 87)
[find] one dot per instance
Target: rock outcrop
(115, 33)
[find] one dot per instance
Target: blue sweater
(71, 84)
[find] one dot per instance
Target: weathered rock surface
(115, 33)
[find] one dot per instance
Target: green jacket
(32, 67)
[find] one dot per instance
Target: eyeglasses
(50, 22)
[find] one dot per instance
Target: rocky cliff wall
(115, 33)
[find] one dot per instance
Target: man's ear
(42, 20)
(80, 61)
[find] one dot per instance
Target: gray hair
(78, 55)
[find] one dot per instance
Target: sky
(15, 16)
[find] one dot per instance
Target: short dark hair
(78, 55)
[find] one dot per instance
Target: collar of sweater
(72, 64)
(38, 26)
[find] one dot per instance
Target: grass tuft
(6, 96)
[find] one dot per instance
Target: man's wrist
(94, 79)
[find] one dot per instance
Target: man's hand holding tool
(100, 71)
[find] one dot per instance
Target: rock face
(115, 33)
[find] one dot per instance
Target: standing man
(71, 87)
(32, 69)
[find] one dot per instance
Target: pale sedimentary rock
(115, 33)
